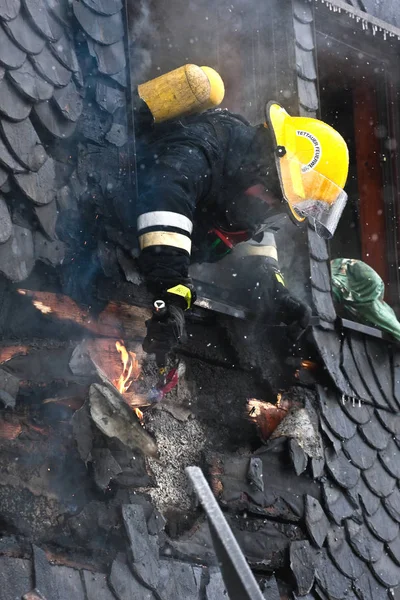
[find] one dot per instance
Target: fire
(42, 307)
(130, 372)
(308, 364)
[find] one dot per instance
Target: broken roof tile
(390, 421)
(17, 254)
(96, 586)
(5, 221)
(120, 78)
(302, 564)
(12, 104)
(64, 51)
(30, 83)
(382, 525)
(42, 573)
(374, 434)
(368, 588)
(328, 345)
(178, 580)
(362, 494)
(67, 583)
(110, 59)
(331, 580)
(336, 443)
(105, 467)
(332, 411)
(50, 68)
(109, 98)
(145, 557)
(358, 413)
(103, 29)
(24, 35)
(386, 571)
(364, 544)
(378, 480)
(104, 7)
(394, 549)
(392, 504)
(341, 469)
(298, 456)
(342, 555)
(316, 521)
(336, 504)
(9, 9)
(360, 453)
(69, 101)
(42, 20)
(52, 120)
(390, 458)
(117, 135)
(53, 253)
(216, 586)
(40, 187)
(125, 585)
(10, 55)
(24, 143)
(15, 577)
(356, 342)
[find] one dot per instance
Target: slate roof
(44, 114)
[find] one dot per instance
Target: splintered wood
(117, 320)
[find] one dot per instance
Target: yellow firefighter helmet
(313, 162)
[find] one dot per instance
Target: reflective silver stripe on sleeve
(164, 218)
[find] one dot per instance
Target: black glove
(163, 334)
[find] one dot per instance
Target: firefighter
(211, 181)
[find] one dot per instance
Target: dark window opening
(354, 94)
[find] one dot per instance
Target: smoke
(143, 35)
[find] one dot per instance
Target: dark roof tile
(342, 555)
(386, 571)
(362, 494)
(96, 586)
(42, 573)
(120, 78)
(215, 587)
(392, 504)
(331, 408)
(109, 98)
(302, 564)
(336, 504)
(331, 580)
(305, 64)
(67, 583)
(104, 7)
(8, 161)
(59, 10)
(24, 143)
(103, 29)
(390, 458)
(364, 544)
(50, 68)
(47, 216)
(15, 577)
(379, 358)
(304, 35)
(125, 585)
(328, 345)
(5, 222)
(302, 11)
(360, 454)
(374, 434)
(308, 95)
(368, 588)
(320, 277)
(3, 176)
(396, 375)
(9, 9)
(336, 443)
(145, 557)
(364, 368)
(17, 254)
(12, 104)
(382, 525)
(390, 421)
(64, 51)
(317, 246)
(349, 367)
(53, 121)
(341, 469)
(10, 55)
(110, 59)
(298, 457)
(69, 101)
(358, 414)
(317, 522)
(178, 580)
(39, 187)
(117, 135)
(378, 480)
(42, 20)
(24, 35)
(30, 83)
(394, 549)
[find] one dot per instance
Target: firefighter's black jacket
(192, 175)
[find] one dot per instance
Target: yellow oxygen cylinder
(189, 89)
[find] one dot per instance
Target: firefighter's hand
(164, 334)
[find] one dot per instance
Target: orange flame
(130, 372)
